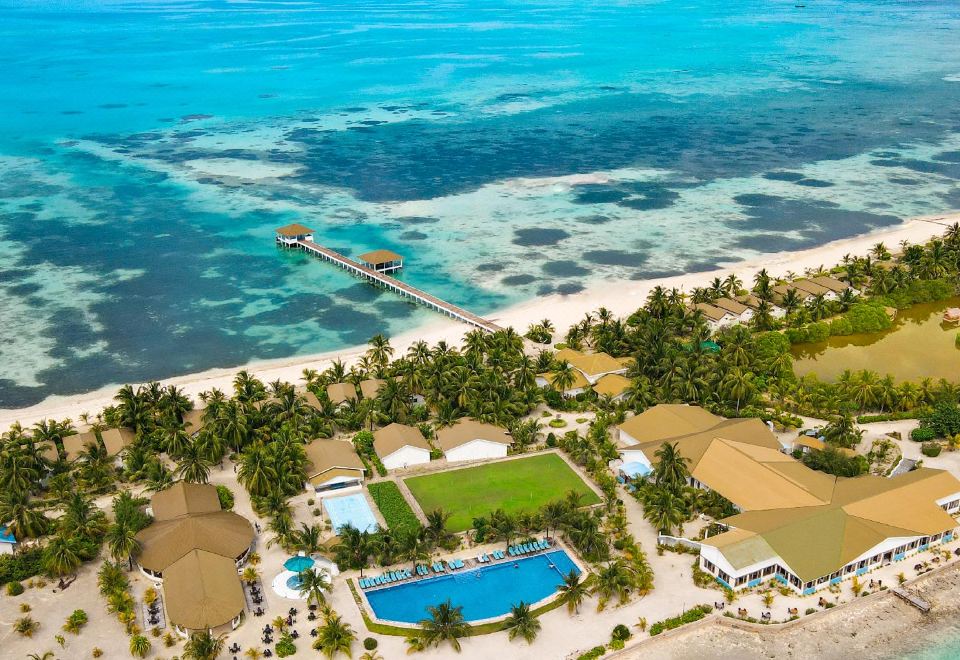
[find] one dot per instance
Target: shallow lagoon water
(919, 345)
(507, 149)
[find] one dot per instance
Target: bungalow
(334, 465)
(312, 400)
(289, 235)
(193, 421)
(341, 393)
(613, 385)
(780, 291)
(382, 261)
(370, 387)
(592, 366)
(578, 386)
(716, 317)
(470, 440)
(115, 441)
(74, 445)
(196, 549)
(815, 289)
(753, 303)
(832, 283)
(740, 312)
(400, 446)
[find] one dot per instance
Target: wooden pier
(912, 598)
(296, 237)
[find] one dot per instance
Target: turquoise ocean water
(507, 148)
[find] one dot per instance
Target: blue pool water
(483, 593)
(293, 581)
(350, 510)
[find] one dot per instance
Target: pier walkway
(395, 285)
(912, 598)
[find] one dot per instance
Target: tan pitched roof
(811, 443)
(816, 541)
(781, 290)
(591, 364)
(669, 420)
(468, 430)
(811, 287)
(749, 300)
(116, 440)
(183, 499)
(193, 420)
(831, 283)
(341, 392)
(50, 452)
(371, 387)
(294, 230)
(312, 400)
(711, 312)
(731, 306)
(325, 455)
(612, 385)
(379, 257)
(73, 445)
(579, 380)
(397, 436)
(202, 591)
(223, 533)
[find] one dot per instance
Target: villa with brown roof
(591, 365)
(715, 316)
(193, 421)
(470, 440)
(613, 385)
(334, 465)
(74, 445)
(740, 312)
(195, 549)
(341, 393)
(579, 385)
(832, 283)
(382, 261)
(400, 446)
(814, 289)
(370, 387)
(115, 441)
(288, 235)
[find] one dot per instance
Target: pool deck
(470, 563)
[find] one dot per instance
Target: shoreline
(622, 297)
(881, 620)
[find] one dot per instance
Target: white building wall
(476, 450)
(406, 456)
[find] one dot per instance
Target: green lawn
(515, 486)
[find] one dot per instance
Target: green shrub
(931, 449)
(21, 566)
(922, 434)
(369, 643)
(621, 632)
(691, 615)
(943, 420)
(888, 417)
(810, 610)
(557, 423)
(285, 647)
(617, 644)
(14, 588)
(226, 497)
(594, 653)
(398, 514)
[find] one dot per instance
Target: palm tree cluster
(115, 588)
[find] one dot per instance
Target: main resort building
(802, 527)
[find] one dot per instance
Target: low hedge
(393, 506)
(931, 449)
(594, 653)
(890, 417)
(21, 566)
(923, 434)
(691, 615)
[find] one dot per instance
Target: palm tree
(445, 624)
(436, 529)
(203, 646)
(334, 637)
(671, 470)
(61, 556)
(563, 377)
(122, 542)
(23, 519)
(573, 591)
(313, 584)
(380, 351)
(192, 466)
(612, 580)
(354, 548)
(522, 623)
(738, 384)
(664, 509)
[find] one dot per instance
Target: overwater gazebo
(289, 235)
(382, 261)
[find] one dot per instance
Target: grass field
(515, 486)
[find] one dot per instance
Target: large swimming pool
(350, 510)
(484, 592)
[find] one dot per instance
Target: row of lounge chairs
(484, 558)
(386, 578)
(527, 548)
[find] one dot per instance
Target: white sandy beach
(622, 297)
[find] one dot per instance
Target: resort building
(193, 421)
(593, 366)
(115, 441)
(334, 466)
(832, 283)
(740, 312)
(800, 526)
(613, 385)
(341, 393)
(74, 445)
(370, 388)
(312, 400)
(400, 446)
(579, 385)
(382, 261)
(289, 235)
(753, 303)
(814, 289)
(780, 291)
(195, 549)
(715, 316)
(470, 440)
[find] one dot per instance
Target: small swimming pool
(294, 582)
(350, 510)
(485, 592)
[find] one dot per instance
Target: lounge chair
(460, 563)
(364, 583)
(526, 548)
(501, 555)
